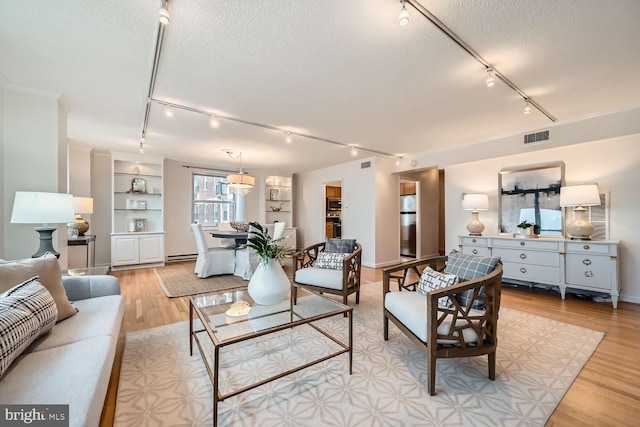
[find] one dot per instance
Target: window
(211, 201)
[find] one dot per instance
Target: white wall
(35, 159)
(79, 178)
(4, 205)
(612, 163)
(360, 200)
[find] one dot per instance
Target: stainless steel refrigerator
(408, 226)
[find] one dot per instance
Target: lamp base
(475, 227)
(46, 244)
(580, 228)
(83, 226)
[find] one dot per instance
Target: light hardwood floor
(606, 393)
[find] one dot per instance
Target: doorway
(333, 209)
(408, 218)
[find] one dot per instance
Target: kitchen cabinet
(586, 265)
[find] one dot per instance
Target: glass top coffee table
(232, 317)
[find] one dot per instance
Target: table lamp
(580, 196)
(82, 205)
(43, 208)
(475, 203)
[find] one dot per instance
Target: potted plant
(525, 228)
(269, 284)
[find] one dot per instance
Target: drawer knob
(523, 270)
(521, 243)
(473, 240)
(586, 261)
(588, 273)
(475, 252)
(523, 256)
(586, 247)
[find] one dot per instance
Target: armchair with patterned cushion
(454, 310)
(331, 267)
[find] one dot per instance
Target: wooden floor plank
(607, 391)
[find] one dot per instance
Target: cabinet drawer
(548, 245)
(476, 250)
(590, 248)
(531, 273)
(588, 270)
(473, 241)
(549, 259)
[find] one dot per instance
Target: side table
(85, 241)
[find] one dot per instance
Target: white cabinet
(137, 208)
(137, 250)
(587, 265)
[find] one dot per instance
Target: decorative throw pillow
(330, 260)
(469, 267)
(48, 269)
(340, 246)
(431, 280)
(27, 311)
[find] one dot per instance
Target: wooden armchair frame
(351, 269)
(485, 325)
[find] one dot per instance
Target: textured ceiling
(340, 70)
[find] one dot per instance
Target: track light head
(403, 17)
(354, 151)
(527, 107)
(491, 80)
(288, 138)
(168, 111)
(213, 122)
(164, 16)
(141, 148)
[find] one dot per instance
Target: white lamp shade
(241, 179)
(580, 195)
(475, 202)
(42, 208)
(83, 205)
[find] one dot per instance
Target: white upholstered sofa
(72, 363)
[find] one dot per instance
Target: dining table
(239, 236)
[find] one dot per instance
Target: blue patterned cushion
(26, 312)
(431, 280)
(330, 260)
(340, 246)
(469, 267)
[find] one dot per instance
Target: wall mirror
(531, 193)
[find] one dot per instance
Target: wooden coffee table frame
(217, 344)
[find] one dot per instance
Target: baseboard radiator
(183, 257)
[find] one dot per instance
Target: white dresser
(587, 265)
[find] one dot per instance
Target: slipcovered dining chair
(246, 260)
(212, 261)
(278, 230)
(331, 267)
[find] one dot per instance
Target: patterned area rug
(177, 280)
(538, 359)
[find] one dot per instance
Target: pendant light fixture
(239, 183)
(403, 17)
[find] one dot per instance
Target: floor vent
(365, 165)
(184, 257)
(532, 138)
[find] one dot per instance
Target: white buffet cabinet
(577, 264)
(140, 250)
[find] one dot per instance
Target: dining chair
(212, 261)
(246, 260)
(278, 230)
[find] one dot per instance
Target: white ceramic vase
(269, 284)
(525, 232)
